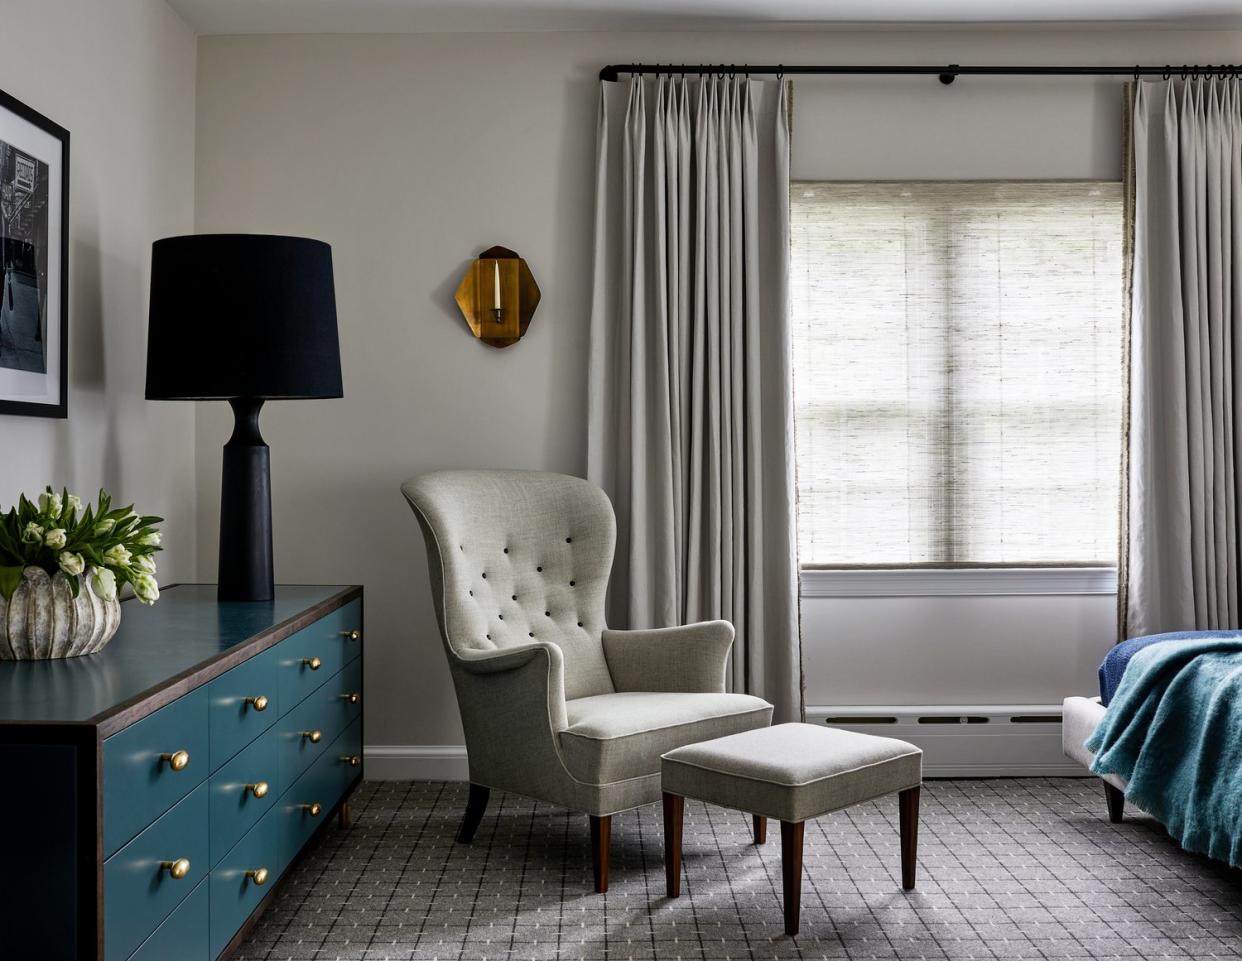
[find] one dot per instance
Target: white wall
(120, 77)
(410, 154)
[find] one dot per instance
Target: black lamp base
(246, 509)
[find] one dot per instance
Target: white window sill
(958, 582)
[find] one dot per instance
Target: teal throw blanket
(1174, 732)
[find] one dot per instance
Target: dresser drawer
(141, 779)
(241, 879)
(326, 643)
(184, 933)
(304, 806)
(244, 702)
(326, 712)
(140, 889)
(241, 792)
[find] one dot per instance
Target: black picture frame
(56, 403)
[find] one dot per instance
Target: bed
(1165, 734)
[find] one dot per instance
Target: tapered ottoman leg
(908, 809)
(792, 833)
(601, 833)
(476, 804)
(674, 811)
(1116, 803)
(761, 829)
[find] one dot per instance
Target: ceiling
(415, 16)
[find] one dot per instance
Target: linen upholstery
(611, 737)
(792, 772)
(527, 639)
(1079, 717)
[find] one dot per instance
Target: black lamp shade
(242, 315)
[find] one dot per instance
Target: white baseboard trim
(416, 762)
(990, 744)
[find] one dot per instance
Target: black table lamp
(243, 318)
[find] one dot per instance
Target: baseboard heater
(966, 741)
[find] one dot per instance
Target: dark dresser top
(185, 632)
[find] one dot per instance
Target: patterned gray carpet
(1025, 868)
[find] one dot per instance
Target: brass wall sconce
(498, 296)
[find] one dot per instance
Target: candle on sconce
(496, 300)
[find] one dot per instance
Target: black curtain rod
(947, 73)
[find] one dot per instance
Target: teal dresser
(153, 794)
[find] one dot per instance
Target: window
(957, 372)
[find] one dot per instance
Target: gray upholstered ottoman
(791, 772)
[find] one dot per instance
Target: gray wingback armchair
(555, 706)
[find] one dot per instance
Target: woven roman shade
(957, 372)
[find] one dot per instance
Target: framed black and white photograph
(34, 255)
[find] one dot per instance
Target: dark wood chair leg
(1116, 803)
(908, 810)
(792, 833)
(476, 804)
(674, 811)
(601, 831)
(761, 828)
(344, 816)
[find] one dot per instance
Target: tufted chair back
(516, 557)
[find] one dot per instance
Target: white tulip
(144, 563)
(71, 563)
(50, 504)
(104, 527)
(74, 502)
(103, 583)
(146, 588)
(55, 538)
(117, 556)
(33, 534)
(151, 540)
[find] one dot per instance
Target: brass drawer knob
(313, 736)
(354, 635)
(258, 875)
(313, 663)
(259, 702)
(353, 760)
(177, 869)
(258, 789)
(352, 698)
(177, 760)
(314, 809)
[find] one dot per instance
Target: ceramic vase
(44, 620)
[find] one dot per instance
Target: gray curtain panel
(690, 384)
(1185, 364)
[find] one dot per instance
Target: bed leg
(1116, 803)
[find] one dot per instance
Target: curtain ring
(1136, 73)
(1166, 71)
(780, 71)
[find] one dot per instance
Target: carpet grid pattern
(1022, 869)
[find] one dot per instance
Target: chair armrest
(494, 682)
(688, 659)
(507, 658)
